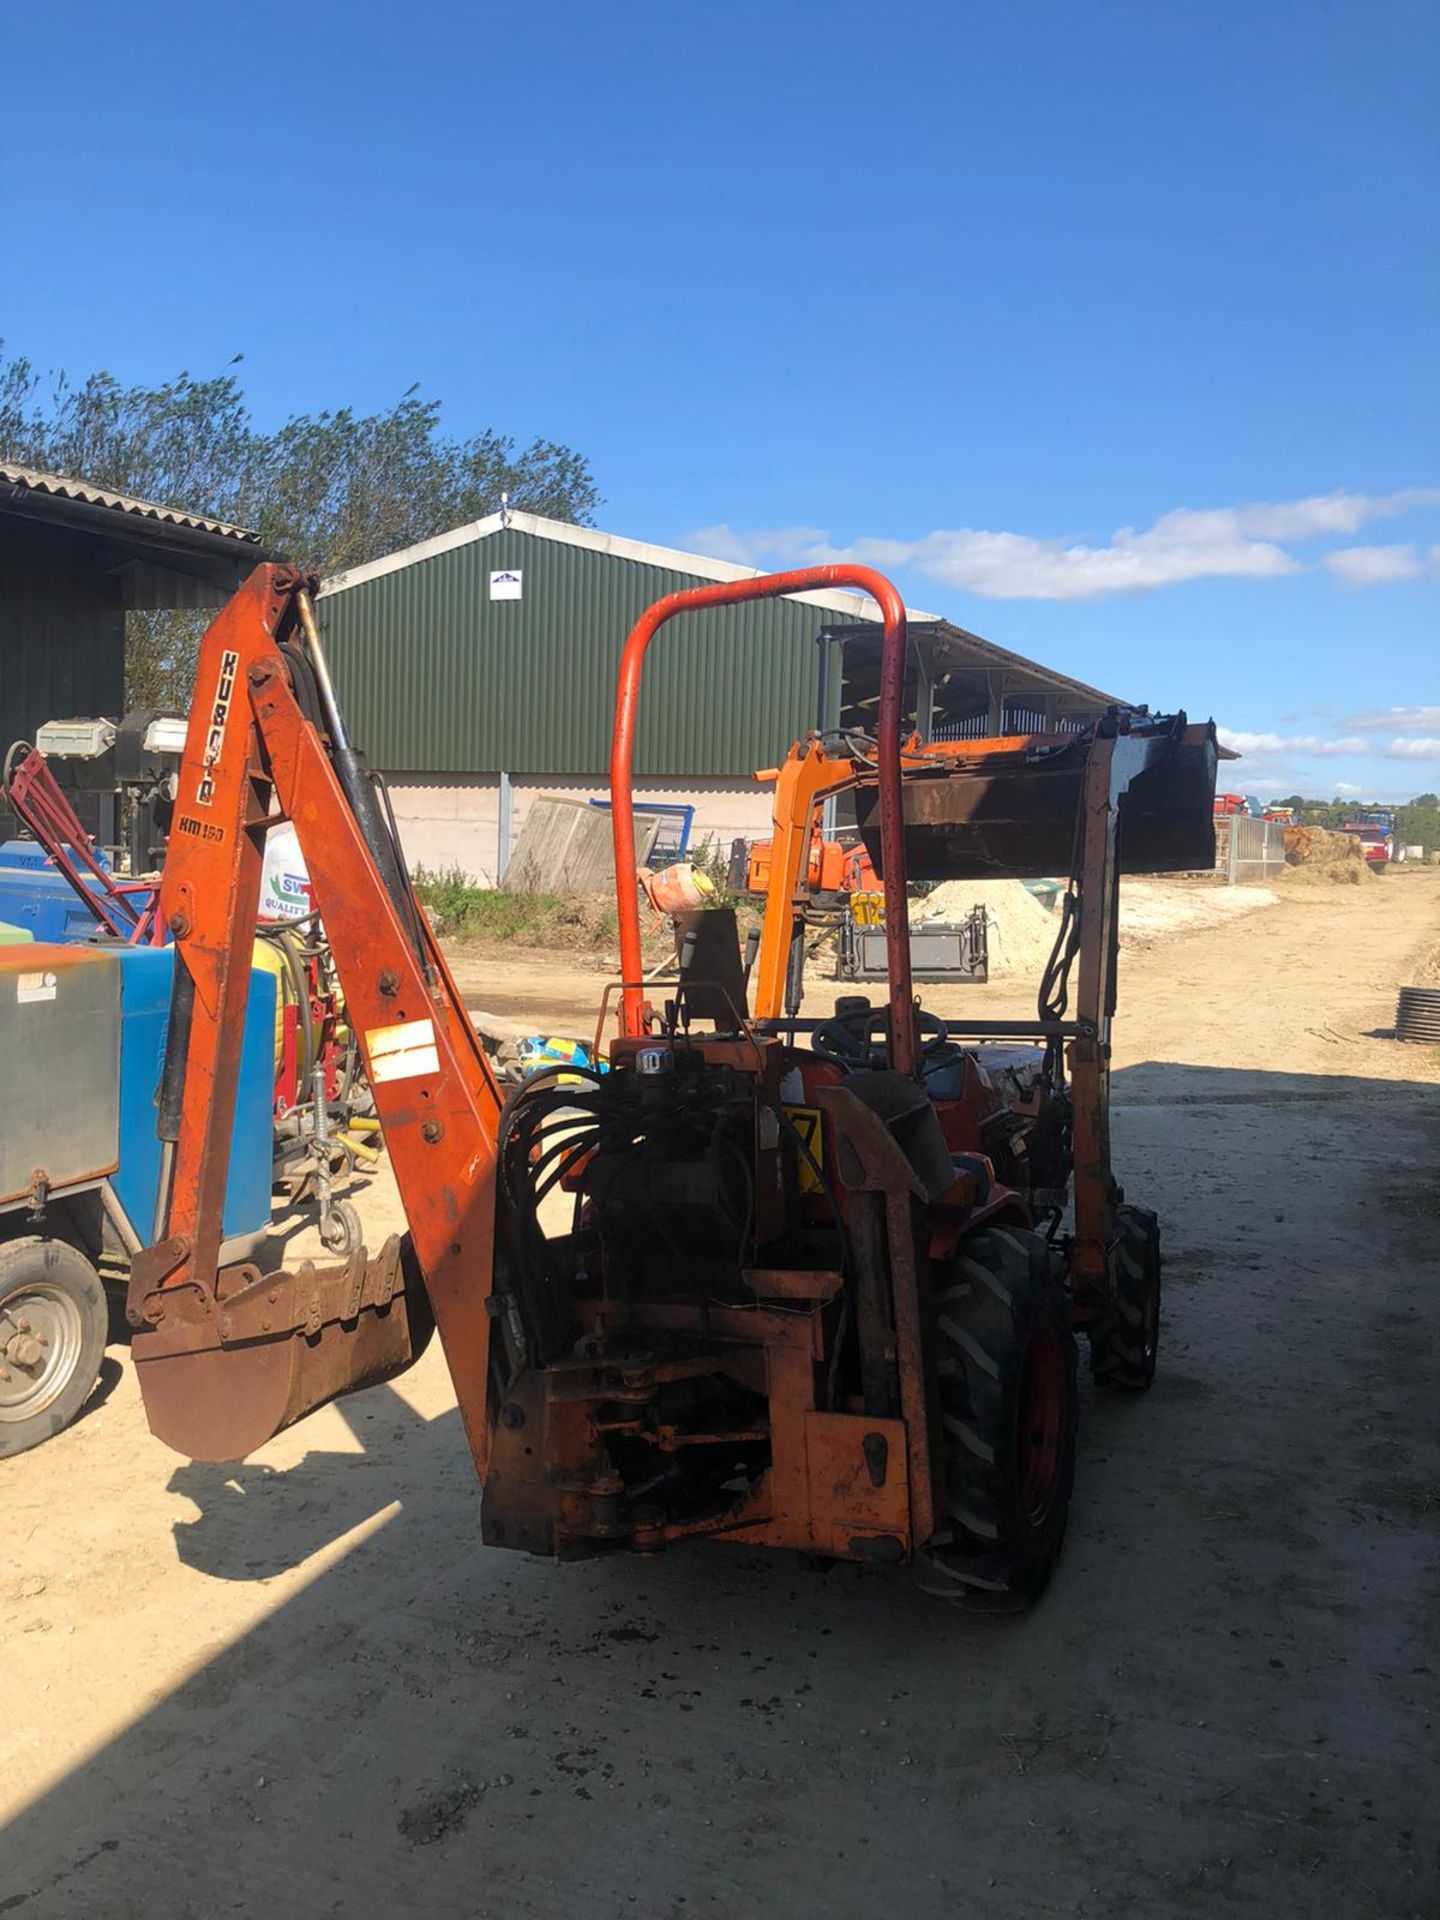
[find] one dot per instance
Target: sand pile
(1150, 910)
(1021, 931)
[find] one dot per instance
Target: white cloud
(1281, 749)
(1325, 513)
(1240, 542)
(1344, 787)
(1374, 566)
(756, 548)
(1402, 719)
(1304, 743)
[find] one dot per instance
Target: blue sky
(1110, 329)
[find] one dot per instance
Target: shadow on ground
(1224, 1703)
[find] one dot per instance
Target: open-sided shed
(75, 559)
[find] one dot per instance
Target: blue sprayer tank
(82, 1043)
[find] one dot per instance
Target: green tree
(338, 489)
(327, 490)
(188, 443)
(1418, 825)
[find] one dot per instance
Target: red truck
(1374, 827)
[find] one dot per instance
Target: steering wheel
(846, 1038)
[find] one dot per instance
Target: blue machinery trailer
(37, 899)
(82, 1039)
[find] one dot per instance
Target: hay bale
(1339, 871)
(1319, 847)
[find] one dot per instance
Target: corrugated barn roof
(58, 486)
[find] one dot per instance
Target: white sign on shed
(507, 584)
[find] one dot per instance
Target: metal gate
(1250, 850)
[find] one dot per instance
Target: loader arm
(1009, 807)
(808, 777)
(226, 1357)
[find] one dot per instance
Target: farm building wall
(437, 676)
(449, 821)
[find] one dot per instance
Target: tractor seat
(910, 1117)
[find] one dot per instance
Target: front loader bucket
(1167, 818)
(221, 1377)
(1009, 810)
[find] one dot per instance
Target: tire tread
(989, 1558)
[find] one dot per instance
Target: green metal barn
(478, 670)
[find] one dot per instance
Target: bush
(459, 910)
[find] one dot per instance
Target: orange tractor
(818, 1281)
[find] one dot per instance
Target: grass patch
(459, 910)
(585, 923)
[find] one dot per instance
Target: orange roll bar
(904, 1044)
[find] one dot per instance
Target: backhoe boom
(228, 1357)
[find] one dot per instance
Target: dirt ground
(301, 1687)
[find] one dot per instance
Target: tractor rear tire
(1124, 1341)
(1009, 1407)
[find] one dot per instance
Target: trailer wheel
(54, 1319)
(1009, 1406)
(1124, 1340)
(340, 1228)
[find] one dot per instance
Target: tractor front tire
(1009, 1407)
(1124, 1340)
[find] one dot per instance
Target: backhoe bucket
(221, 1377)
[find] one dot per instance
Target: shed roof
(146, 555)
(16, 483)
(969, 676)
(674, 559)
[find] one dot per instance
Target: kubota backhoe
(818, 1289)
